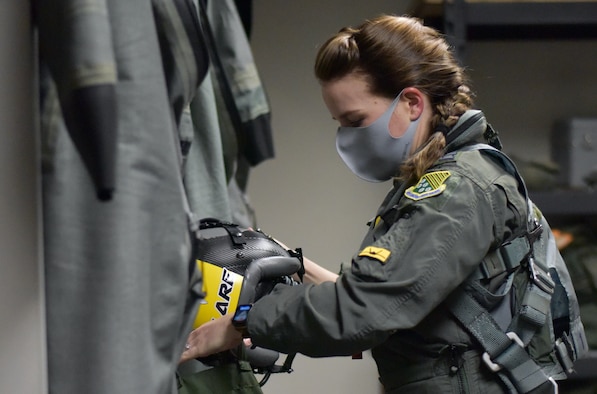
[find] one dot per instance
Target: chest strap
(505, 352)
(506, 258)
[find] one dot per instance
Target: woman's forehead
(345, 92)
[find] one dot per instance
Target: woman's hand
(212, 337)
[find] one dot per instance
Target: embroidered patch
(429, 185)
(376, 253)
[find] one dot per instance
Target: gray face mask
(370, 151)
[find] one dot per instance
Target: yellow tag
(377, 220)
(376, 253)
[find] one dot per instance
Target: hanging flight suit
(121, 285)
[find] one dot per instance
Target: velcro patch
(429, 185)
(376, 253)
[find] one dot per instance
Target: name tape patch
(376, 253)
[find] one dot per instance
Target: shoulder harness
(504, 338)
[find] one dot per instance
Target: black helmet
(239, 266)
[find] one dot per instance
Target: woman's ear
(416, 102)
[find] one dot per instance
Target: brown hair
(393, 53)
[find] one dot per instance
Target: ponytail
(446, 115)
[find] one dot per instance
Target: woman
(405, 112)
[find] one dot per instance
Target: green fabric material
(117, 274)
(581, 259)
(228, 378)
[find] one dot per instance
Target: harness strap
(504, 352)
(506, 258)
(234, 232)
(535, 306)
(510, 167)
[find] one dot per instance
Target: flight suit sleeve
(434, 245)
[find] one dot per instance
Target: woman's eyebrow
(347, 114)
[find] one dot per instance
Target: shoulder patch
(431, 184)
(376, 253)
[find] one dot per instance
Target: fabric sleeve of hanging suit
(132, 128)
(84, 70)
(120, 278)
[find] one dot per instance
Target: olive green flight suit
(425, 241)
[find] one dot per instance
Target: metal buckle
(541, 277)
(494, 367)
(555, 384)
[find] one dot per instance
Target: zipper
(456, 365)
